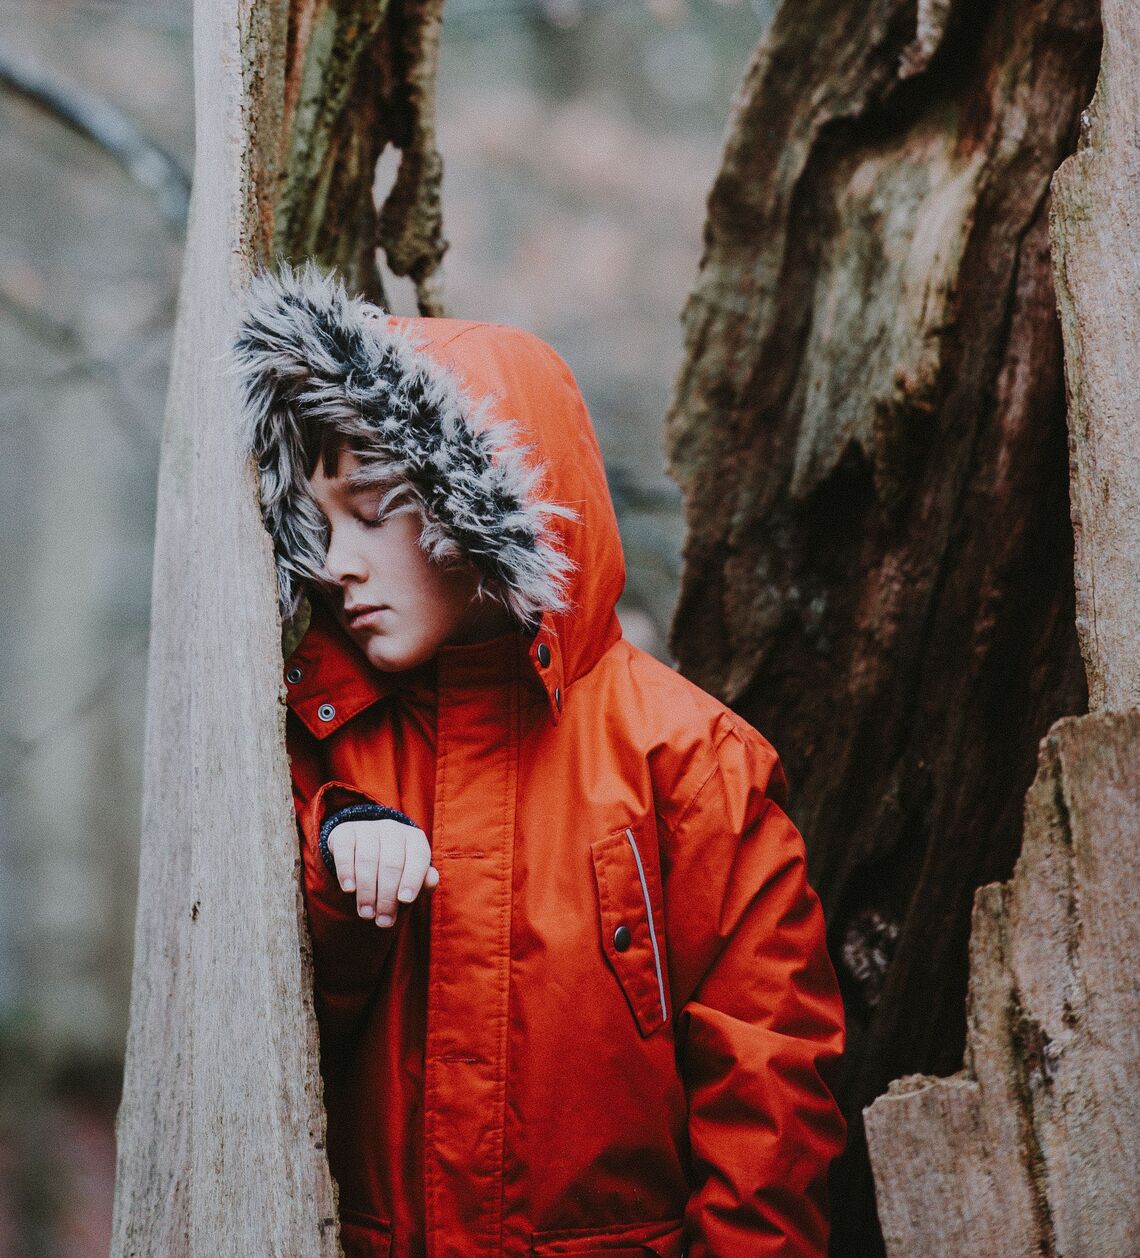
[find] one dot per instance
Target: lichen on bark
(361, 77)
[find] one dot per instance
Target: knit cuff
(355, 812)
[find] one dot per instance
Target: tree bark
(1034, 1146)
(1096, 249)
(361, 76)
(221, 1128)
(868, 428)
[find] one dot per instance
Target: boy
(571, 982)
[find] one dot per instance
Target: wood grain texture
(869, 430)
(1095, 226)
(220, 1132)
(221, 1128)
(1034, 1148)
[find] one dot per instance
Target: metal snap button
(622, 938)
(293, 676)
(326, 711)
(543, 654)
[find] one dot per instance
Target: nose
(343, 561)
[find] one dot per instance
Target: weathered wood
(1096, 240)
(221, 1129)
(1034, 1148)
(869, 432)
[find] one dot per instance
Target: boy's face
(395, 604)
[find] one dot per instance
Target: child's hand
(385, 862)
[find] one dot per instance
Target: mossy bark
(361, 77)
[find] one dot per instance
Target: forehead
(337, 462)
(332, 486)
(339, 474)
(353, 485)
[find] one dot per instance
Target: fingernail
(405, 895)
(366, 910)
(349, 885)
(384, 920)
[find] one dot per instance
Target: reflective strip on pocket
(628, 903)
(649, 918)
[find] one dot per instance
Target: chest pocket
(633, 921)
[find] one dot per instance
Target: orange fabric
(505, 1072)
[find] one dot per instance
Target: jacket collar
(328, 681)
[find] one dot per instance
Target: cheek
(396, 567)
(447, 602)
(450, 599)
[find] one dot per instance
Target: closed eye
(373, 515)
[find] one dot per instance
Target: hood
(482, 423)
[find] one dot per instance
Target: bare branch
(104, 124)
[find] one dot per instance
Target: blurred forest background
(579, 137)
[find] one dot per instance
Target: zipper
(649, 918)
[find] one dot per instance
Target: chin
(388, 659)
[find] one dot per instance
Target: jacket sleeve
(760, 1027)
(348, 951)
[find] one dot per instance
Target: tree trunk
(221, 1146)
(1034, 1147)
(1096, 248)
(869, 432)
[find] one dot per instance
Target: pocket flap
(633, 1240)
(633, 938)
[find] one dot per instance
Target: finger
(417, 858)
(432, 879)
(342, 845)
(391, 869)
(367, 857)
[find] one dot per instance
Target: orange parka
(609, 1029)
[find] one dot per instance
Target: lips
(358, 614)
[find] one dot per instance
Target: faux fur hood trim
(306, 351)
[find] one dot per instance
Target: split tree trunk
(220, 1133)
(1034, 1147)
(869, 431)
